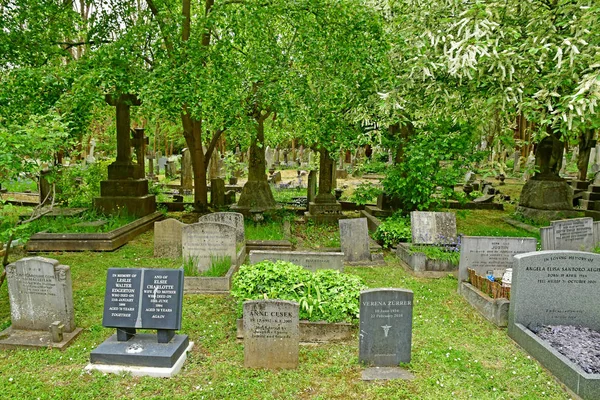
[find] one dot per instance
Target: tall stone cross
(123, 104)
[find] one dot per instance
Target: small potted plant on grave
(233, 167)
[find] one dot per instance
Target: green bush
(324, 295)
(77, 185)
(393, 230)
(365, 193)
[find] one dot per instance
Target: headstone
(569, 234)
(170, 169)
(229, 218)
(486, 254)
(167, 238)
(517, 162)
(90, 159)
(276, 178)
(205, 242)
(269, 155)
(309, 260)
(217, 192)
(433, 227)
(187, 173)
(41, 304)
(161, 164)
(271, 334)
(142, 298)
(354, 237)
(385, 336)
(312, 186)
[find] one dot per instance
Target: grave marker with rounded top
(385, 335)
(354, 238)
(230, 218)
(167, 238)
(206, 241)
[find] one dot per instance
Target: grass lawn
(456, 354)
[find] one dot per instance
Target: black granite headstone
(385, 327)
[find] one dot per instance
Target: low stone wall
(494, 310)
(276, 245)
(214, 284)
(419, 262)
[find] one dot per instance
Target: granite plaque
(433, 227)
(354, 237)
(385, 335)
(167, 238)
(207, 241)
(569, 234)
(40, 292)
(309, 260)
(143, 298)
(555, 288)
(271, 334)
(229, 218)
(485, 254)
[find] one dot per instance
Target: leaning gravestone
(569, 234)
(309, 260)
(354, 238)
(271, 334)
(167, 238)
(230, 218)
(142, 298)
(557, 289)
(41, 305)
(385, 327)
(206, 242)
(486, 254)
(433, 227)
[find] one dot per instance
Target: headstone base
(386, 374)
(17, 338)
(544, 216)
(137, 206)
(141, 351)
(156, 372)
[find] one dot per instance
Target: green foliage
(393, 230)
(324, 295)
(77, 185)
(365, 193)
(317, 236)
(438, 253)
(218, 266)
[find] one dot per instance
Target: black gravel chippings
(578, 343)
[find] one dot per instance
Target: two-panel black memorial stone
(143, 298)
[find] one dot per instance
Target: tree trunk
(586, 144)
(405, 132)
(193, 138)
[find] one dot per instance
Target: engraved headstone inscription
(230, 218)
(433, 227)
(569, 234)
(354, 238)
(385, 335)
(205, 242)
(271, 334)
(167, 238)
(41, 304)
(142, 298)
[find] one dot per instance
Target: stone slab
(494, 310)
(354, 238)
(167, 238)
(433, 227)
(271, 334)
(230, 218)
(141, 351)
(16, 338)
(385, 327)
(308, 259)
(277, 245)
(571, 234)
(386, 374)
(40, 292)
(205, 241)
(488, 253)
(211, 284)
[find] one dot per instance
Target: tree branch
(68, 45)
(213, 142)
(161, 25)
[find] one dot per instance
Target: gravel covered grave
(579, 344)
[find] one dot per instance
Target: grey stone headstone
(205, 240)
(485, 254)
(187, 173)
(229, 218)
(167, 238)
(385, 335)
(271, 334)
(555, 288)
(433, 227)
(569, 234)
(309, 260)
(40, 292)
(312, 186)
(354, 237)
(161, 163)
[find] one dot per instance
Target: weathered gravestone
(229, 218)
(385, 336)
(433, 227)
(187, 173)
(311, 186)
(354, 237)
(486, 254)
(307, 259)
(271, 334)
(556, 288)
(167, 238)
(142, 298)
(161, 164)
(208, 242)
(569, 234)
(41, 304)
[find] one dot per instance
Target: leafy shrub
(323, 295)
(77, 185)
(365, 193)
(451, 254)
(393, 230)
